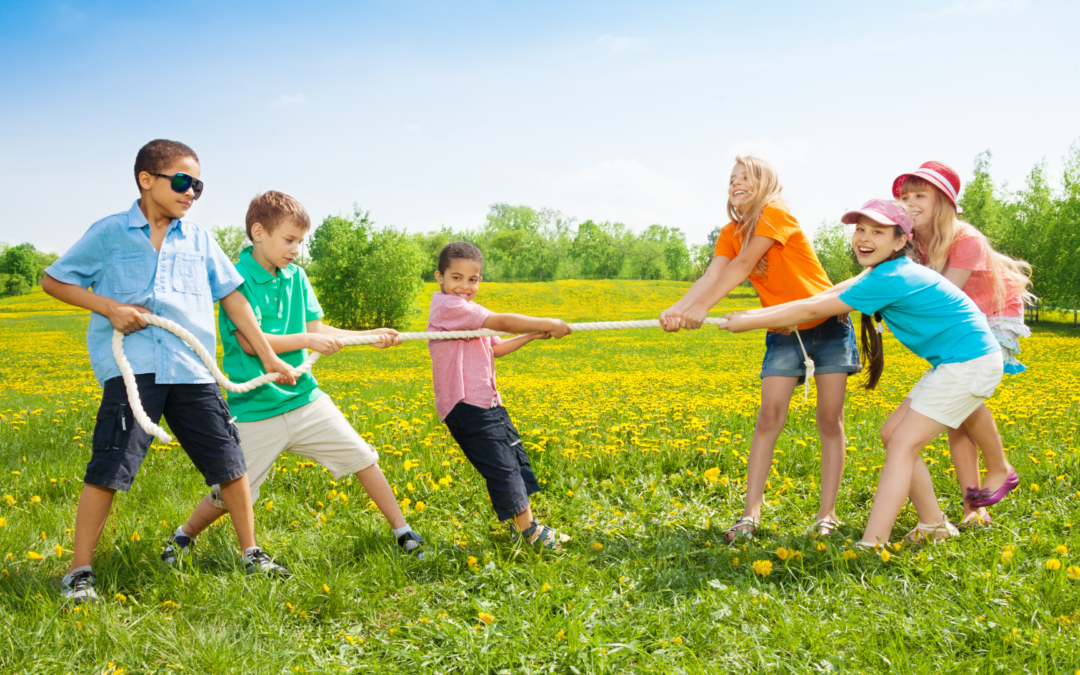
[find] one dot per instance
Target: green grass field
(622, 428)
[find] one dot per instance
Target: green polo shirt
(283, 305)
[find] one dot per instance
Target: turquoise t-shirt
(283, 305)
(925, 311)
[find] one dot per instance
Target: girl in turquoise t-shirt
(932, 318)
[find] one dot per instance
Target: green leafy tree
(600, 249)
(832, 244)
(231, 239)
(364, 277)
(676, 254)
(20, 264)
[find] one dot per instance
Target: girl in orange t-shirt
(997, 284)
(763, 242)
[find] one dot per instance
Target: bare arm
(519, 323)
(707, 280)
(957, 276)
(515, 343)
(730, 276)
(820, 306)
(123, 317)
(236, 306)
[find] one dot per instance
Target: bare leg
(94, 505)
(523, 520)
(982, 429)
(374, 483)
(202, 517)
(965, 459)
(831, 390)
(237, 496)
(775, 397)
(907, 439)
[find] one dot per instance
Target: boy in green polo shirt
(299, 418)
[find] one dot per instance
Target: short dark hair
(459, 250)
(273, 208)
(157, 155)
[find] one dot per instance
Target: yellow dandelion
(485, 617)
(1053, 564)
(711, 475)
(597, 546)
(1073, 572)
(34, 555)
(762, 568)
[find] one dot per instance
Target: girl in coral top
(998, 285)
(764, 243)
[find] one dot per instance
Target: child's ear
(257, 233)
(146, 181)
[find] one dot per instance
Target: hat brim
(852, 217)
(933, 180)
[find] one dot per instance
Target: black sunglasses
(182, 182)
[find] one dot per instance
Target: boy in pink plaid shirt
(466, 397)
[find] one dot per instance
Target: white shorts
(317, 431)
(952, 391)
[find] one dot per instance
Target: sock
(84, 568)
(180, 532)
(398, 531)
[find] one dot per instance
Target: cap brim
(852, 217)
(899, 183)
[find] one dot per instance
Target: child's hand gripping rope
(154, 430)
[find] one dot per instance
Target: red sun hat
(938, 174)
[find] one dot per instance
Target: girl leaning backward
(931, 317)
(763, 242)
(998, 285)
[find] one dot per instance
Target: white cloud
(626, 177)
(286, 100)
(964, 6)
(617, 46)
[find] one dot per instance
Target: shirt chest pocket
(130, 272)
(189, 273)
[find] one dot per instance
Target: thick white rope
(211, 364)
(809, 363)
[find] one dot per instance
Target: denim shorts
(830, 345)
(490, 441)
(197, 415)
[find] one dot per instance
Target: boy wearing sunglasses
(151, 260)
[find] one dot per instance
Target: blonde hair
(946, 228)
(765, 187)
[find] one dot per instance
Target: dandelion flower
(1073, 572)
(597, 546)
(34, 555)
(1053, 564)
(711, 475)
(762, 568)
(485, 617)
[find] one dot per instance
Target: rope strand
(211, 364)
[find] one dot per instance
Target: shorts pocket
(109, 427)
(130, 272)
(189, 273)
(986, 380)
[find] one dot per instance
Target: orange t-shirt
(794, 271)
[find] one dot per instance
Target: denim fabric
(197, 415)
(490, 441)
(181, 283)
(831, 345)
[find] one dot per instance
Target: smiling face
(739, 186)
(278, 249)
(920, 204)
(875, 243)
(159, 193)
(461, 278)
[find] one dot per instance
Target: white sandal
(823, 527)
(917, 534)
(745, 527)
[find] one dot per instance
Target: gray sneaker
(176, 547)
(258, 561)
(413, 543)
(79, 587)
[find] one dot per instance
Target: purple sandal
(980, 497)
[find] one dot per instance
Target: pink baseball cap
(938, 174)
(882, 212)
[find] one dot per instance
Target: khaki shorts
(952, 391)
(317, 431)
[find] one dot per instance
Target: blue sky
(425, 113)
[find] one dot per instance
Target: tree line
(22, 267)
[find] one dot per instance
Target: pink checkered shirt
(462, 370)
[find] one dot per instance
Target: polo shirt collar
(256, 272)
(137, 221)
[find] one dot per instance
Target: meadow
(639, 439)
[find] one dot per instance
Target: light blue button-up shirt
(181, 283)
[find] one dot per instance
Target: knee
(830, 426)
(771, 418)
(896, 450)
